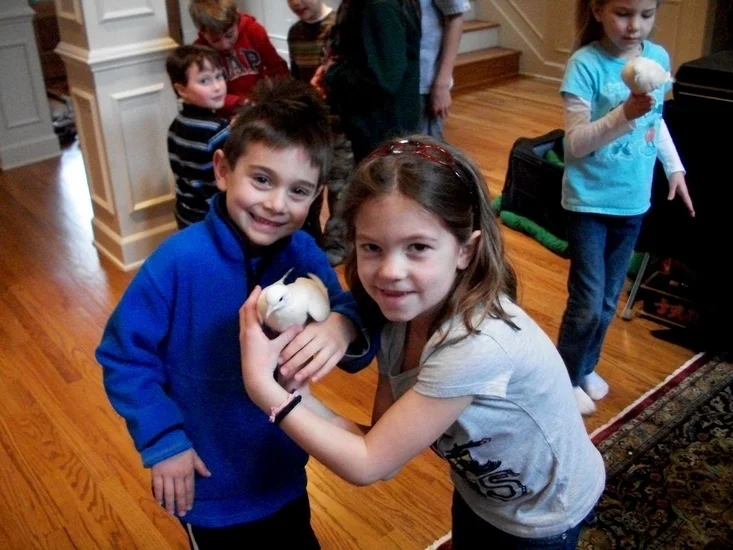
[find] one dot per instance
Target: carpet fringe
(440, 541)
(646, 395)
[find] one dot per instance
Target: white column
(26, 132)
(115, 51)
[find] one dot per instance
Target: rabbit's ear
(282, 281)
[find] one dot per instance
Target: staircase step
(477, 25)
(478, 35)
(471, 13)
(478, 68)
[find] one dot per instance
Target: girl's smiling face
(407, 260)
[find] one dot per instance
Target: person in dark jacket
(372, 75)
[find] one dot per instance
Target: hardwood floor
(69, 475)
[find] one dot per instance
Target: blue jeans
(469, 531)
(429, 125)
(600, 250)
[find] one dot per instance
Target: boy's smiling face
(269, 191)
(307, 10)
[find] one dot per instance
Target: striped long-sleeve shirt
(306, 43)
(193, 137)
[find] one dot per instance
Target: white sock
(595, 386)
(585, 403)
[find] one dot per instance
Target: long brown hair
(587, 29)
(453, 190)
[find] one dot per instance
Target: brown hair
(282, 113)
(180, 59)
(456, 193)
(587, 29)
(215, 16)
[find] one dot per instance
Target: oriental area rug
(669, 466)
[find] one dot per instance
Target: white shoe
(585, 403)
(595, 386)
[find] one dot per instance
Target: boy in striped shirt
(307, 37)
(198, 80)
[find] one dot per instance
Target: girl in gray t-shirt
(463, 369)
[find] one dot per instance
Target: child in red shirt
(245, 49)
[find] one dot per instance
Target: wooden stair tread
(478, 24)
(479, 68)
(484, 54)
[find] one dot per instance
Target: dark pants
(600, 249)
(289, 527)
(470, 532)
(333, 239)
(312, 223)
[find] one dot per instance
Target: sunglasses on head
(428, 151)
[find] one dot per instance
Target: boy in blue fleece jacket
(170, 351)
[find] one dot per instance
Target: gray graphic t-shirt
(520, 455)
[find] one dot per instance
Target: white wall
(543, 30)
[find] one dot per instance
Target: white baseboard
(20, 154)
(129, 253)
(542, 77)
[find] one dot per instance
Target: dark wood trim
(174, 20)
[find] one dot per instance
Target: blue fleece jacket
(171, 362)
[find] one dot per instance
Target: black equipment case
(706, 82)
(533, 185)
